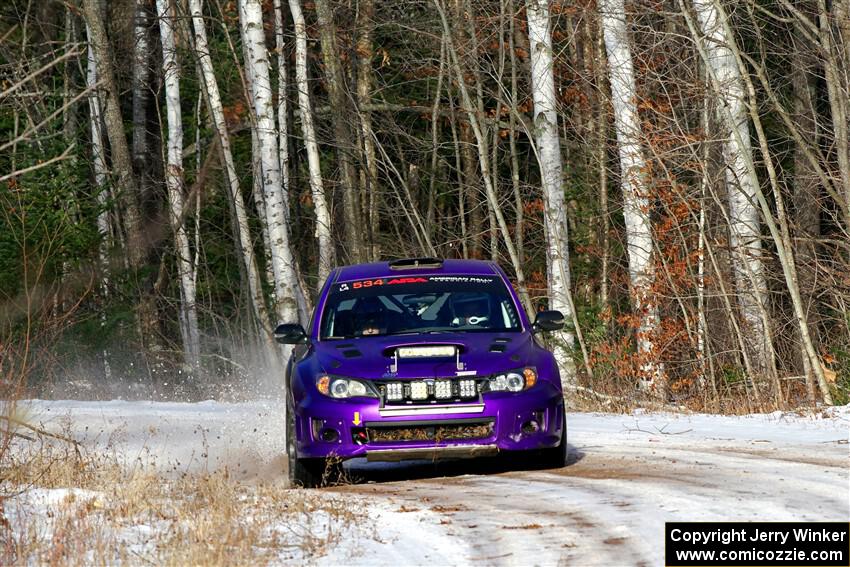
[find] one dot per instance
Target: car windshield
(419, 304)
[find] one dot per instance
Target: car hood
(372, 357)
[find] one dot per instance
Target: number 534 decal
(367, 283)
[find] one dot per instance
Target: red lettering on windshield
(406, 280)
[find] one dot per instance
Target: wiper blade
(417, 332)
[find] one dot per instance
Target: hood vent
(415, 263)
(353, 353)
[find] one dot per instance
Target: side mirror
(548, 321)
(290, 334)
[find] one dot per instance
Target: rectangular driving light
(395, 391)
(426, 351)
(442, 389)
(467, 388)
(419, 390)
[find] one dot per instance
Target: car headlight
(341, 388)
(513, 381)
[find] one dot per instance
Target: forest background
(178, 176)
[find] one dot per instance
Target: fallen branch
(18, 422)
(608, 399)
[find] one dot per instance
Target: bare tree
(365, 84)
(174, 182)
(345, 145)
(633, 181)
(98, 154)
(483, 157)
(548, 149)
(741, 184)
(142, 51)
(276, 206)
(243, 236)
(323, 218)
(121, 163)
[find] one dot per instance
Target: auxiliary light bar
(426, 351)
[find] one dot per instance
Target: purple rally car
(421, 359)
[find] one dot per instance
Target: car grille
(434, 431)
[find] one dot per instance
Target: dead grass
(62, 506)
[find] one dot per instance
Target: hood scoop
(499, 345)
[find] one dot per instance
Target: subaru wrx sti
(421, 359)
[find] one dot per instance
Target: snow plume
(232, 369)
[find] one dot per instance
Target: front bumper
(499, 421)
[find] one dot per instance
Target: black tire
(555, 457)
(308, 473)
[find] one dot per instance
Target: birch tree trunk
(779, 229)
(283, 143)
(276, 207)
(464, 52)
(639, 238)
(741, 184)
(519, 211)
(551, 173)
(99, 168)
(256, 163)
(217, 113)
(323, 217)
(174, 183)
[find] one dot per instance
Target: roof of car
(383, 269)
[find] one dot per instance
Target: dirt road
(608, 507)
(628, 474)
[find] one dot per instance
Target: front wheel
(307, 473)
(555, 457)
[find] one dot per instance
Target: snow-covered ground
(628, 475)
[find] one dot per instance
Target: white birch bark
(639, 238)
(217, 113)
(257, 169)
(323, 218)
(741, 182)
(99, 167)
(174, 184)
(551, 174)
(283, 265)
(283, 139)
